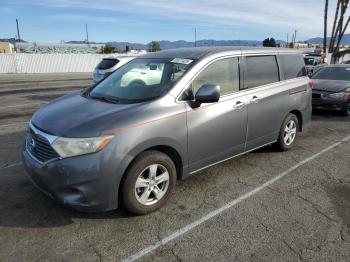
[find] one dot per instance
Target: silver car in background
(108, 65)
(163, 117)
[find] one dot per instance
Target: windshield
(142, 79)
(333, 73)
(107, 63)
(309, 61)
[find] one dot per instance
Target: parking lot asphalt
(304, 215)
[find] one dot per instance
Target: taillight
(107, 74)
(311, 84)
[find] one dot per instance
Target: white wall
(49, 63)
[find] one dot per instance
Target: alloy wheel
(290, 132)
(151, 184)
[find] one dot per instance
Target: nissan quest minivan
(162, 117)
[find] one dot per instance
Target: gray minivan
(162, 117)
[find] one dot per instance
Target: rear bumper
(78, 182)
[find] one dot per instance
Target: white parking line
(12, 165)
(234, 202)
(31, 104)
(13, 124)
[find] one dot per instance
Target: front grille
(316, 95)
(40, 147)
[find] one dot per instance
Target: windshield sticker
(182, 61)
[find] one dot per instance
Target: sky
(142, 21)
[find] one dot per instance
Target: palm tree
(332, 40)
(341, 29)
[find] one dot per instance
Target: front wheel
(149, 182)
(288, 133)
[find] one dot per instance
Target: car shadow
(24, 206)
(316, 113)
(29, 208)
(265, 149)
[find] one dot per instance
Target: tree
(269, 42)
(325, 27)
(339, 27)
(108, 49)
(154, 46)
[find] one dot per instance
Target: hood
(333, 86)
(76, 116)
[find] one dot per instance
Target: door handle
(254, 100)
(239, 105)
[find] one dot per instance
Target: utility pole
(87, 34)
(287, 40)
(295, 36)
(195, 37)
(19, 36)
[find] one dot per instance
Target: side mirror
(208, 94)
(153, 67)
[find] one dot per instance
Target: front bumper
(319, 103)
(84, 183)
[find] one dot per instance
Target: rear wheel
(288, 133)
(149, 182)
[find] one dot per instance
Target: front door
(217, 131)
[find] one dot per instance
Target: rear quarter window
(292, 66)
(261, 70)
(107, 64)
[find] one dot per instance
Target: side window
(224, 73)
(261, 70)
(292, 66)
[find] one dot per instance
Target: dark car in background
(312, 63)
(332, 88)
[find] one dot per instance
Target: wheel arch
(299, 115)
(169, 148)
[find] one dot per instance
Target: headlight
(337, 95)
(67, 147)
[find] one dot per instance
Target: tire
(282, 143)
(142, 194)
(346, 110)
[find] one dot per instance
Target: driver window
(224, 72)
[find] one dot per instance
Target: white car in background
(108, 65)
(145, 75)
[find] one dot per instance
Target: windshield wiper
(107, 99)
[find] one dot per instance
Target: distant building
(301, 45)
(7, 48)
(59, 48)
(137, 52)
